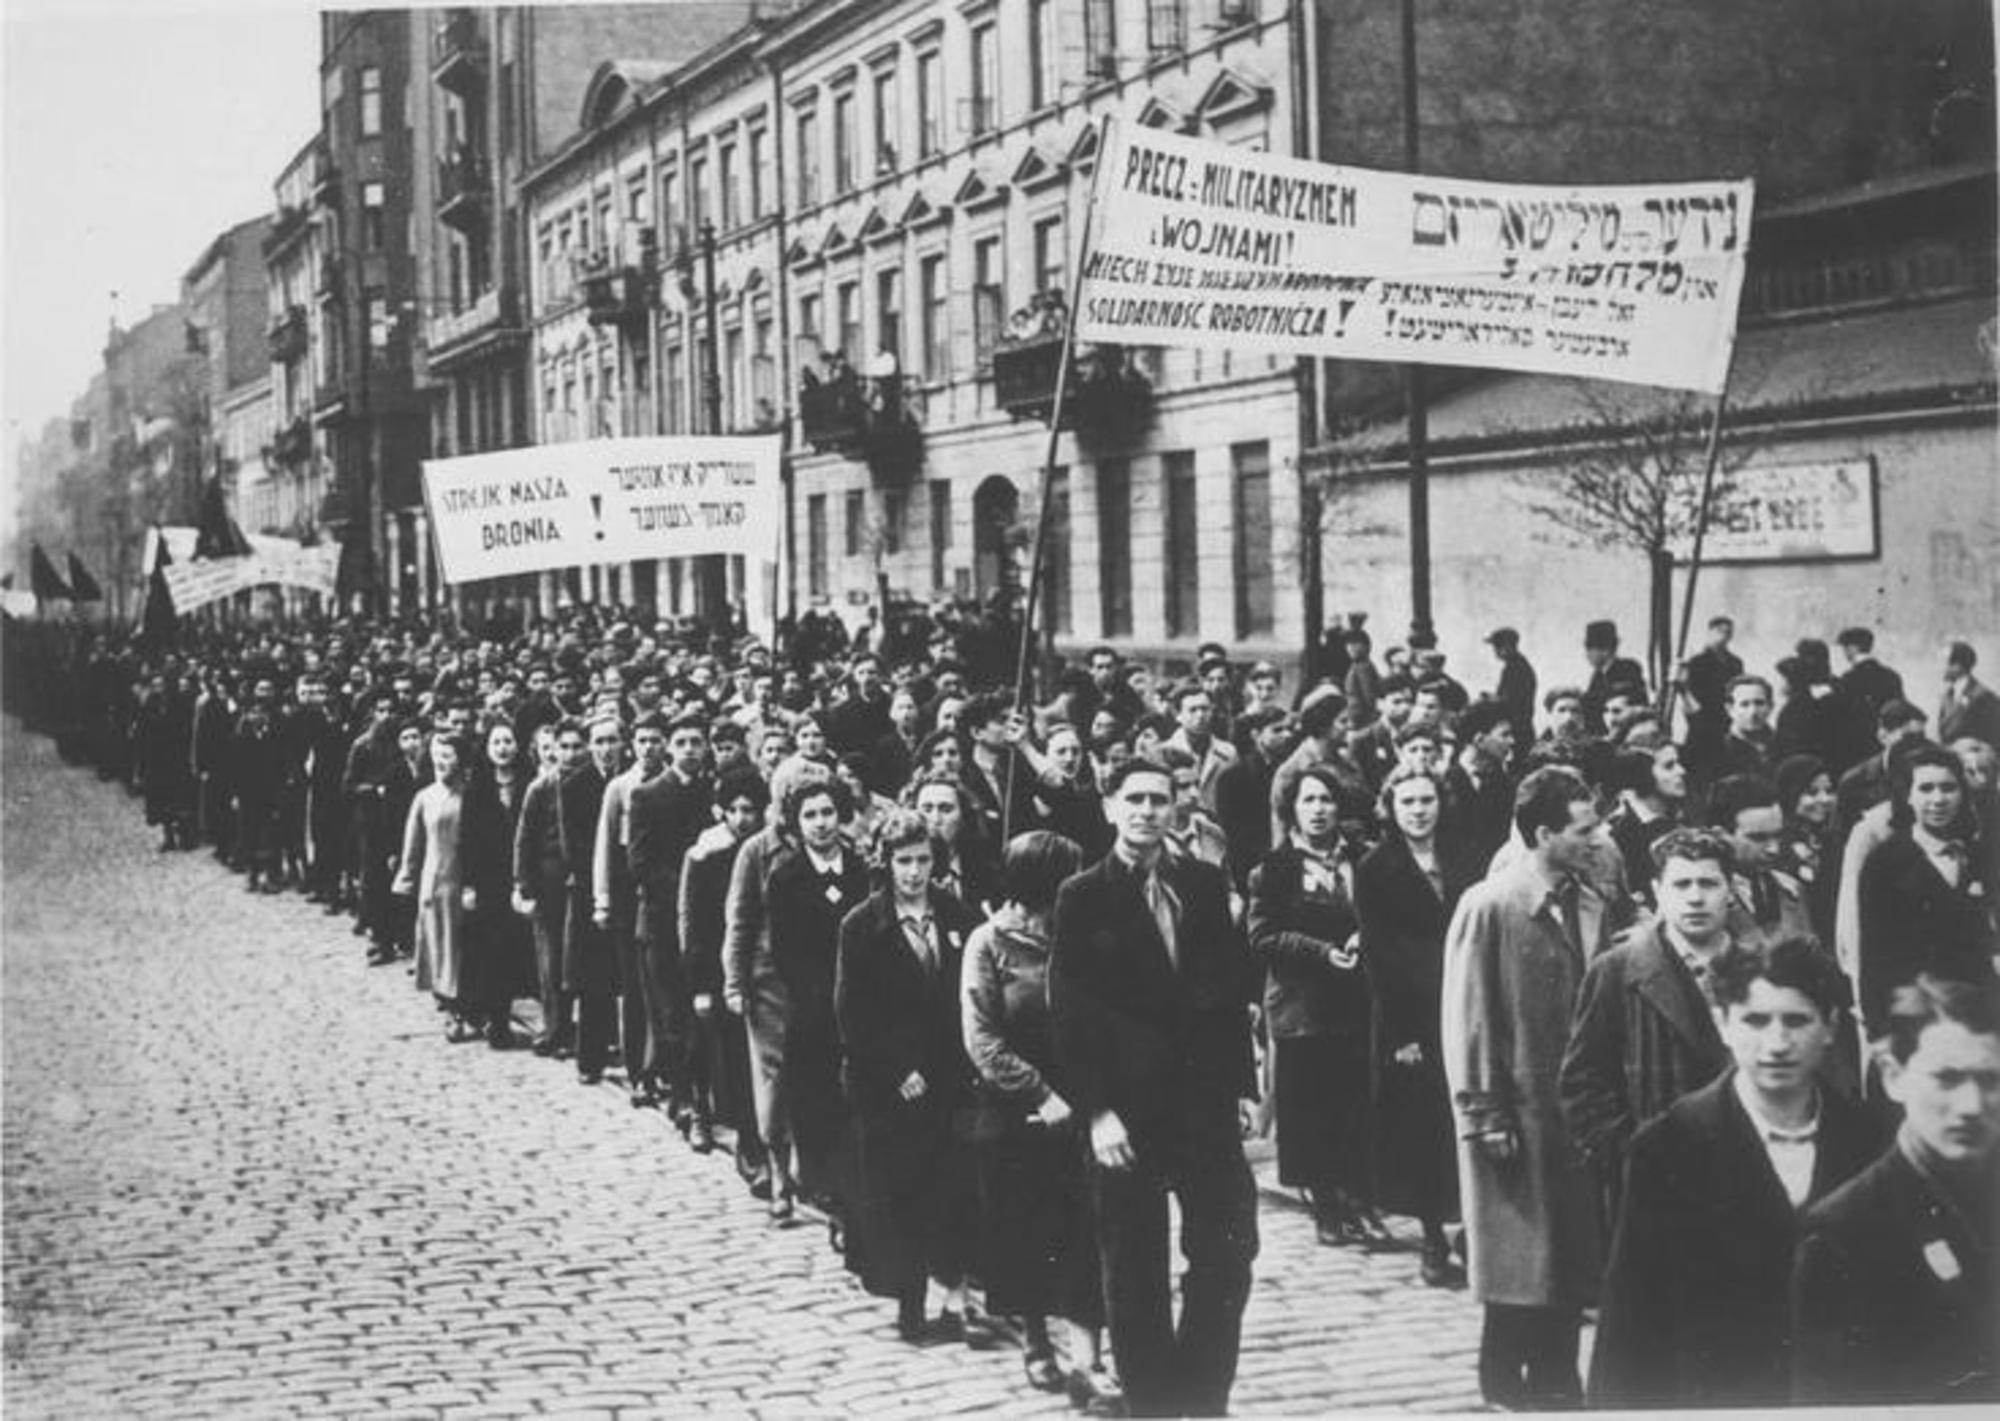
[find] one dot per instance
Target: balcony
(464, 190)
(325, 181)
(330, 402)
(288, 225)
(292, 445)
(327, 289)
(868, 420)
(458, 52)
(490, 321)
(1107, 401)
(288, 335)
(621, 287)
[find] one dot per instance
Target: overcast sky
(135, 132)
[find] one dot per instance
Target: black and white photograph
(900, 708)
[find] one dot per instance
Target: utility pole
(715, 566)
(1414, 393)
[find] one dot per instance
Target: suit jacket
(1913, 921)
(1642, 1038)
(1893, 1297)
(1296, 931)
(1403, 922)
(538, 861)
(1219, 757)
(1974, 711)
(663, 819)
(1696, 1307)
(1862, 690)
(1516, 692)
(1163, 1046)
(805, 916)
(895, 1015)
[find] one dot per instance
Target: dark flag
(156, 624)
(216, 533)
(43, 577)
(81, 583)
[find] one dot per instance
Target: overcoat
(433, 867)
(1510, 983)
(1913, 921)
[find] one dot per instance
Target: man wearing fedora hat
(1608, 671)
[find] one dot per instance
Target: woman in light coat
(434, 870)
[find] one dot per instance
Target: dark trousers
(669, 1013)
(1185, 1370)
(1527, 1357)
(634, 1042)
(557, 1005)
(596, 1025)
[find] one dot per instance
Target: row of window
(1253, 554)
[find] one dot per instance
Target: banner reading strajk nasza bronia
(604, 500)
(1202, 244)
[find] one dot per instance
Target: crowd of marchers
(1676, 1005)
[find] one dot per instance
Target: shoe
(590, 1077)
(499, 1036)
(1042, 1372)
(1375, 1235)
(760, 1186)
(1345, 1232)
(543, 1046)
(781, 1206)
(379, 958)
(701, 1136)
(461, 1031)
(1096, 1393)
(911, 1324)
(1440, 1270)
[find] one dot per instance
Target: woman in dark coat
(1806, 794)
(166, 749)
(1037, 1250)
(1316, 1006)
(815, 882)
(499, 960)
(1405, 891)
(965, 867)
(908, 1082)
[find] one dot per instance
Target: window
(374, 223)
(1166, 26)
(940, 529)
(725, 182)
(1100, 39)
(1055, 573)
(809, 329)
(889, 312)
(636, 206)
(808, 134)
(857, 521)
(816, 545)
(847, 298)
(670, 202)
(989, 296)
(1114, 546)
(697, 195)
(1254, 600)
(1183, 568)
(843, 141)
(375, 318)
(895, 515)
(888, 134)
(763, 375)
(1043, 85)
(754, 172)
(932, 290)
(985, 79)
(371, 101)
(732, 379)
(1049, 255)
(673, 377)
(930, 103)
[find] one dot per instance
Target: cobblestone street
(245, 1175)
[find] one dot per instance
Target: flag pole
(1713, 456)
(1044, 516)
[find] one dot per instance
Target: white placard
(1200, 243)
(603, 501)
(1792, 513)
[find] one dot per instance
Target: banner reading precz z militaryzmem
(1203, 244)
(601, 501)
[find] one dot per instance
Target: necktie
(1953, 855)
(918, 931)
(1166, 912)
(1567, 895)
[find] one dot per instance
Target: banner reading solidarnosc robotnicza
(604, 500)
(1203, 244)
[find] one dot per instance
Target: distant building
(302, 315)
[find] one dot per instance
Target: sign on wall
(1793, 513)
(602, 501)
(1199, 243)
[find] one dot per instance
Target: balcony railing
(868, 420)
(288, 335)
(621, 287)
(287, 226)
(463, 190)
(493, 311)
(292, 445)
(1107, 401)
(458, 52)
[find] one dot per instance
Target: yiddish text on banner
(1204, 244)
(602, 501)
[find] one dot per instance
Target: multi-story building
(297, 455)
(372, 418)
(502, 91)
(226, 299)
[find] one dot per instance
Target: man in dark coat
(1643, 1035)
(1705, 679)
(1516, 691)
(1969, 707)
(590, 967)
(1608, 670)
(667, 814)
(1150, 989)
(539, 877)
(1895, 1300)
(1695, 1309)
(1859, 695)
